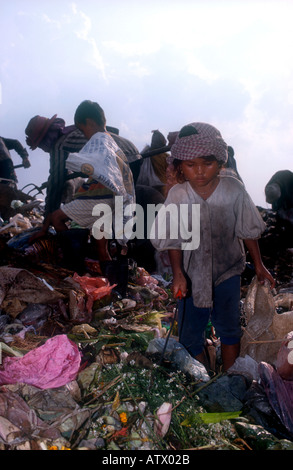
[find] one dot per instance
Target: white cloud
(139, 70)
(195, 67)
(132, 49)
(84, 32)
(55, 23)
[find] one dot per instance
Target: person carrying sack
(109, 176)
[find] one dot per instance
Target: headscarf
(205, 142)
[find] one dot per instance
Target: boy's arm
(179, 280)
(261, 271)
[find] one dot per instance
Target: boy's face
(200, 172)
(89, 128)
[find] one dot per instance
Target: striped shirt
(67, 144)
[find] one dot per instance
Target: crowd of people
(194, 167)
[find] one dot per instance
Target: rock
(225, 394)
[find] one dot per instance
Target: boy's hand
(179, 286)
(263, 274)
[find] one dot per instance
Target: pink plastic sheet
(51, 365)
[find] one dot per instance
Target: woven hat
(203, 141)
(37, 129)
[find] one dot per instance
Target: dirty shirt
(227, 217)
(71, 142)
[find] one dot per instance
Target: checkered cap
(208, 141)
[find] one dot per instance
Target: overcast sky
(154, 64)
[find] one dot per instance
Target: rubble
(82, 368)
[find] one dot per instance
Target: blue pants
(225, 317)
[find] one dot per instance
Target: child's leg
(226, 319)
(229, 353)
(192, 322)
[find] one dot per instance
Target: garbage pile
(82, 368)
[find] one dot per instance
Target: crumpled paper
(51, 365)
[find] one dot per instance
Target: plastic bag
(17, 224)
(279, 393)
(19, 423)
(94, 287)
(51, 365)
(259, 308)
(245, 366)
(163, 419)
(284, 363)
(103, 160)
(265, 328)
(21, 240)
(176, 353)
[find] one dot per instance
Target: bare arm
(179, 280)
(13, 144)
(261, 271)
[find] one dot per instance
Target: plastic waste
(95, 288)
(179, 356)
(265, 328)
(17, 224)
(162, 423)
(245, 366)
(20, 285)
(279, 393)
(284, 300)
(77, 307)
(257, 406)
(16, 204)
(259, 308)
(18, 422)
(21, 240)
(284, 363)
(259, 438)
(51, 365)
(35, 315)
(145, 279)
